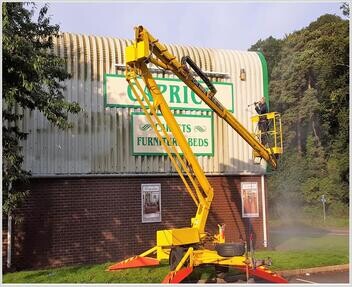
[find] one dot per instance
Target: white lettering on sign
(198, 130)
(117, 93)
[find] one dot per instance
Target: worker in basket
(263, 124)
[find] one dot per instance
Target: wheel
(175, 257)
(230, 249)
(221, 270)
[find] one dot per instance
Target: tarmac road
(325, 277)
(332, 277)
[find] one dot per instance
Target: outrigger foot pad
(178, 276)
(266, 274)
(133, 262)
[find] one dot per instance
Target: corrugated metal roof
(99, 142)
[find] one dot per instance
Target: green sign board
(117, 93)
(198, 130)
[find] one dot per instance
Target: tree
(271, 49)
(310, 88)
(32, 79)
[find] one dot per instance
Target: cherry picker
(185, 247)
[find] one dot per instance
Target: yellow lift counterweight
(184, 247)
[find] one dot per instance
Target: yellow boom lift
(184, 247)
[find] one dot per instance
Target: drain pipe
(9, 240)
(265, 237)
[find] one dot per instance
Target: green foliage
(271, 49)
(284, 185)
(32, 79)
(310, 88)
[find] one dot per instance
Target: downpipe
(9, 241)
(265, 236)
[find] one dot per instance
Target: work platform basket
(268, 131)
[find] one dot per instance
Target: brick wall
(4, 248)
(70, 221)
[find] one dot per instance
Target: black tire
(175, 257)
(221, 270)
(230, 249)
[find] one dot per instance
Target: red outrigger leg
(177, 276)
(266, 274)
(134, 262)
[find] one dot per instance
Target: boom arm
(148, 49)
(169, 61)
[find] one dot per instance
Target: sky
(225, 25)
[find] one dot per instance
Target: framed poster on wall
(151, 202)
(249, 195)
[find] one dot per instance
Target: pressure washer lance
(252, 104)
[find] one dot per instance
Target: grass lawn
(297, 246)
(304, 244)
(292, 252)
(89, 274)
(306, 252)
